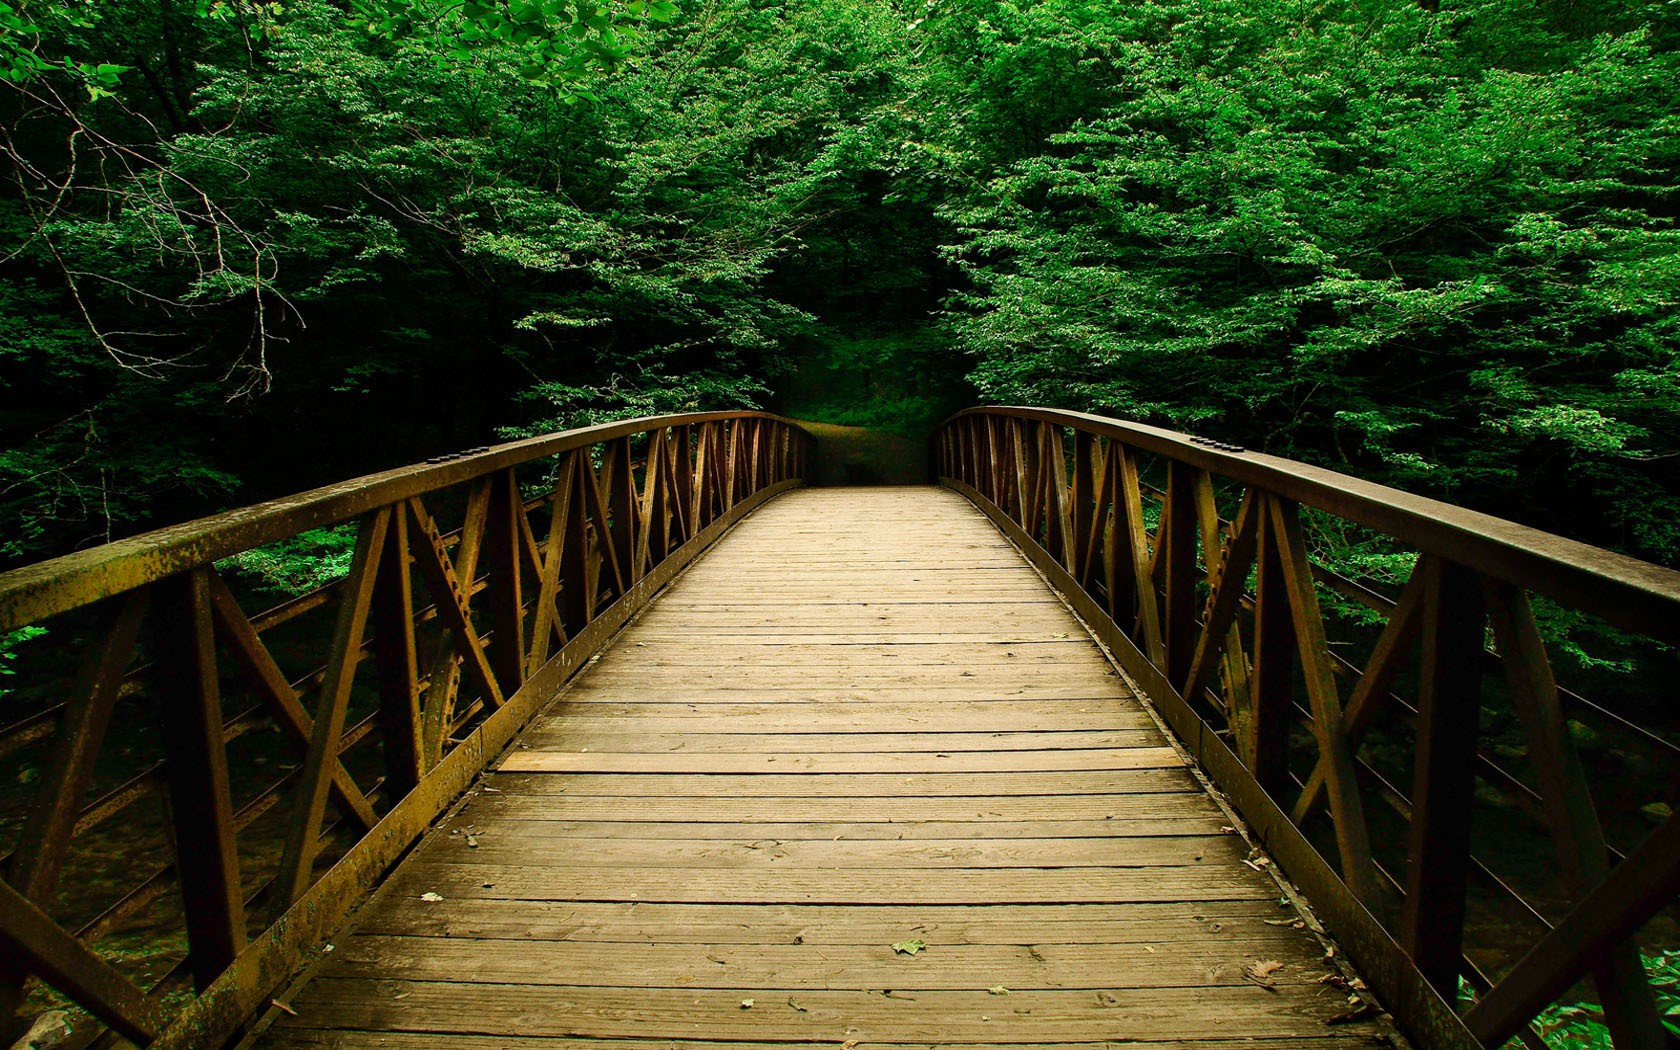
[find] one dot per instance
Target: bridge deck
(862, 720)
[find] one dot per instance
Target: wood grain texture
(860, 720)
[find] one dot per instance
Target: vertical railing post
(683, 453)
(397, 662)
(620, 482)
(200, 799)
(1263, 743)
(1086, 486)
(504, 593)
(1444, 780)
(1176, 541)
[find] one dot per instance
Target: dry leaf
(1260, 972)
(998, 989)
(746, 1004)
(283, 1005)
(909, 947)
(430, 897)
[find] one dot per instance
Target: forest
(250, 247)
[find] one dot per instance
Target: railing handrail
(42, 589)
(1625, 591)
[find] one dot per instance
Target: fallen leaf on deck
(287, 1007)
(998, 989)
(472, 842)
(794, 1003)
(430, 897)
(1260, 972)
(910, 947)
(746, 1004)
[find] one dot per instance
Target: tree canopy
(253, 245)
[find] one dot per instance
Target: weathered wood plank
(1181, 806)
(841, 785)
(978, 886)
(592, 921)
(615, 736)
(822, 1015)
(1018, 967)
(545, 848)
(1331, 1039)
(1103, 759)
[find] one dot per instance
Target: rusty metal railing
(1190, 558)
(233, 783)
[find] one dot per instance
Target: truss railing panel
(196, 793)
(1367, 728)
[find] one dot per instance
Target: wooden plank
(1184, 805)
(1330, 1039)
(865, 1015)
(619, 737)
(818, 925)
(843, 785)
(537, 761)
(537, 846)
(813, 692)
(756, 967)
(978, 886)
(1207, 821)
(862, 716)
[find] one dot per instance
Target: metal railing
(297, 752)
(1190, 558)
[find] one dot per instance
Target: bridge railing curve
(1192, 560)
(233, 782)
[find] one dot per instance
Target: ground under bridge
(623, 738)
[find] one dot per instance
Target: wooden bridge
(1012, 761)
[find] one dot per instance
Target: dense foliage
(250, 246)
